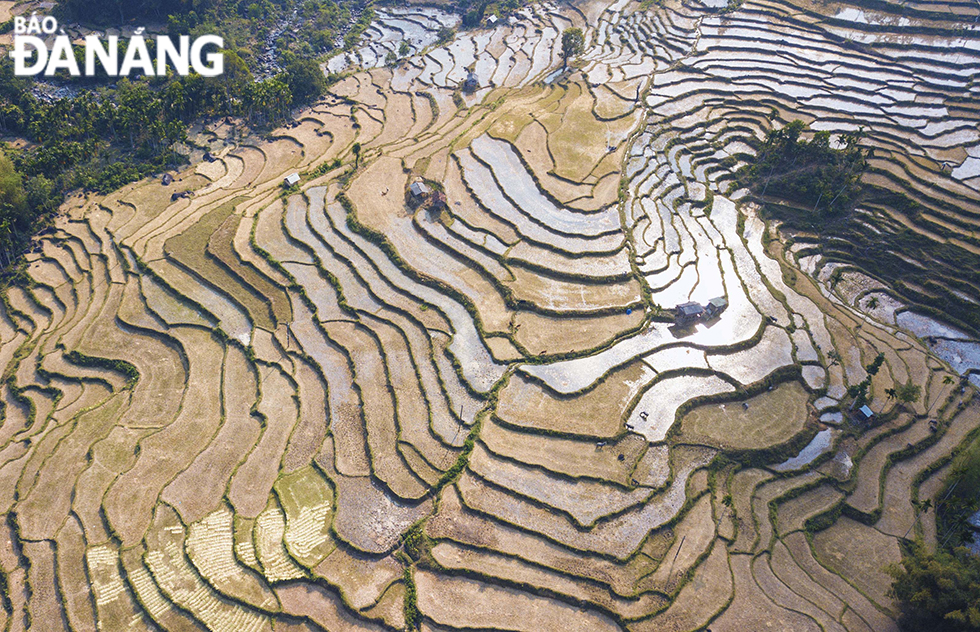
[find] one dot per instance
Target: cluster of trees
(907, 393)
(860, 391)
(960, 499)
(325, 22)
(143, 117)
(939, 591)
(13, 205)
(105, 138)
(810, 174)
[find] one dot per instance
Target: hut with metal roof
(687, 313)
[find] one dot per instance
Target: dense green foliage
(14, 207)
(102, 139)
(907, 393)
(305, 80)
(413, 618)
(961, 497)
(938, 592)
(808, 174)
(13, 197)
(572, 43)
(415, 541)
(321, 24)
(325, 22)
(322, 15)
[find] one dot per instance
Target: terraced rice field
(226, 412)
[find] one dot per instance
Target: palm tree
(872, 303)
(946, 382)
(920, 507)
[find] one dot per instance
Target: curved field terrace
(451, 383)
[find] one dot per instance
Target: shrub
(119, 366)
(413, 618)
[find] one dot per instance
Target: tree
(13, 207)
(875, 365)
(42, 195)
(908, 393)
(572, 43)
(356, 149)
(860, 391)
(938, 592)
(873, 303)
(13, 196)
(946, 383)
(305, 80)
(835, 277)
